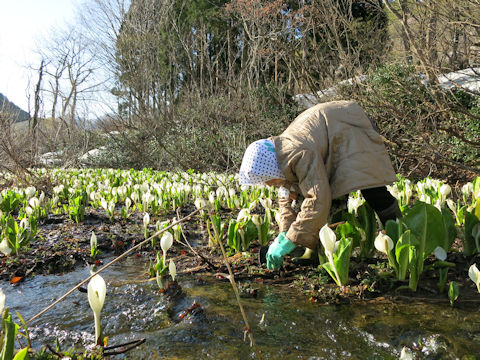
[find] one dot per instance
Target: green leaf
(476, 184)
(453, 292)
(394, 230)
(368, 222)
(251, 233)
(22, 354)
(469, 246)
(402, 256)
(450, 228)
(264, 228)
(349, 230)
(9, 338)
(477, 209)
(232, 234)
(413, 267)
(327, 266)
(426, 222)
(341, 259)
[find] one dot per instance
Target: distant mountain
(13, 110)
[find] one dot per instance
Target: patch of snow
(467, 79)
(51, 158)
(92, 154)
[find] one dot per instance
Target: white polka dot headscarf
(259, 163)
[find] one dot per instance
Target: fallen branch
(200, 256)
(247, 329)
(123, 347)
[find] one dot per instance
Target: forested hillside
(193, 82)
(14, 111)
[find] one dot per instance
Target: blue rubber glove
(280, 247)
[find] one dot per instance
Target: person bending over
(328, 151)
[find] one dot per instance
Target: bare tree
(35, 117)
(68, 68)
(430, 124)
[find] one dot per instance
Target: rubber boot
(309, 257)
(392, 212)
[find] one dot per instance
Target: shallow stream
(292, 327)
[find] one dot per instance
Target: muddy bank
(62, 245)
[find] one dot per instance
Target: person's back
(328, 151)
(341, 136)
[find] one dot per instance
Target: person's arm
(286, 212)
(314, 185)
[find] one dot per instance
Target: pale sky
(23, 23)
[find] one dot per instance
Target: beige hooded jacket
(328, 151)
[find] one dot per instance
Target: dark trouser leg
(309, 257)
(383, 203)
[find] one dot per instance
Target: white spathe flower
(42, 197)
(221, 192)
(440, 253)
(467, 189)
(24, 223)
(104, 204)
(266, 203)
(452, 206)
(445, 190)
(406, 354)
(93, 241)
(96, 291)
(34, 202)
(474, 275)
(122, 190)
(144, 187)
(393, 190)
(243, 215)
(2, 302)
(111, 207)
(166, 243)
(353, 204)
(256, 220)
(134, 196)
(425, 198)
(28, 211)
(383, 243)
(58, 189)
(421, 187)
(172, 269)
(200, 203)
(5, 247)
(128, 203)
(237, 202)
(328, 239)
(148, 198)
(211, 198)
(30, 192)
(146, 219)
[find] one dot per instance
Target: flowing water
(292, 327)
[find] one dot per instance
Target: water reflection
(292, 327)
